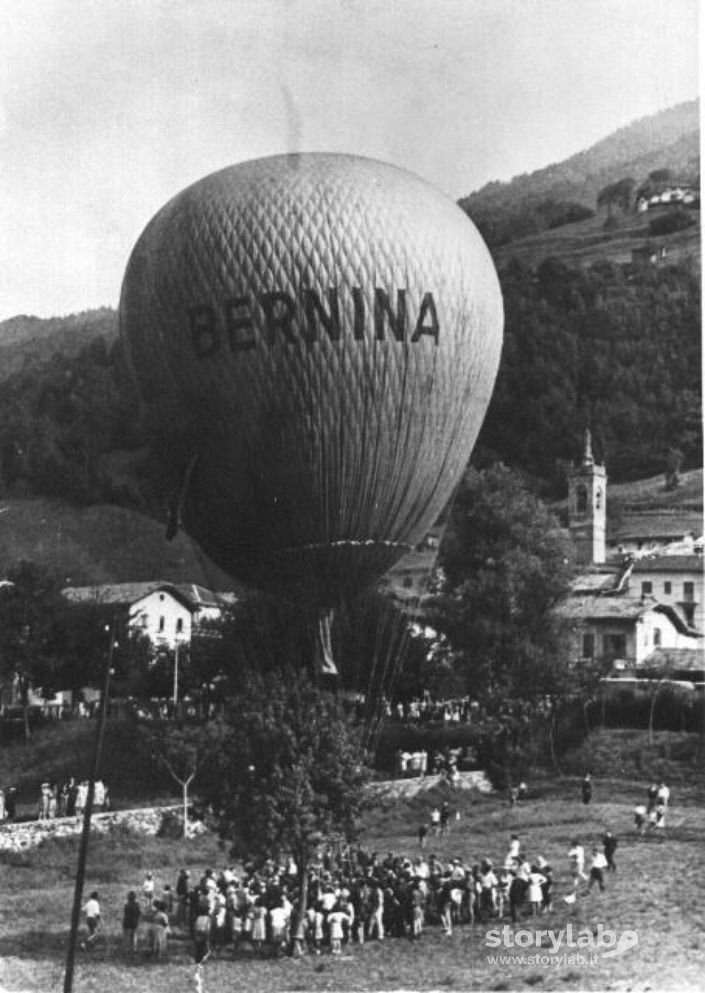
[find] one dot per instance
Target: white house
(167, 613)
(409, 580)
(673, 579)
(622, 630)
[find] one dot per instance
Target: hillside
(669, 139)
(99, 544)
(587, 242)
(27, 341)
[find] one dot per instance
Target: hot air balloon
(319, 335)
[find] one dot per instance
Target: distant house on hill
(646, 531)
(649, 254)
(169, 614)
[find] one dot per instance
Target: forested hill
(669, 139)
(28, 341)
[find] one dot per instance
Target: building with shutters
(169, 614)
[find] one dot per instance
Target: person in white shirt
(597, 870)
(577, 862)
(92, 912)
(535, 893)
(336, 918)
(513, 853)
(148, 890)
(663, 795)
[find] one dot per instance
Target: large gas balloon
(320, 336)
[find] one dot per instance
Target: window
(179, 625)
(588, 646)
(162, 623)
(581, 499)
(647, 588)
(657, 637)
(408, 582)
(615, 646)
(689, 592)
(598, 499)
(667, 588)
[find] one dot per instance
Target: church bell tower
(587, 508)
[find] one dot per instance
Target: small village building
(409, 580)
(676, 580)
(639, 597)
(621, 631)
(168, 614)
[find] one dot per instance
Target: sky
(109, 107)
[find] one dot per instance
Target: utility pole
(176, 674)
(87, 812)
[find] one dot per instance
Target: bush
(627, 753)
(674, 220)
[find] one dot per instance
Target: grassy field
(658, 892)
(586, 242)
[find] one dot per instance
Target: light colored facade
(676, 580)
(621, 630)
(409, 580)
(168, 614)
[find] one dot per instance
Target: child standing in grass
(597, 870)
(335, 928)
(130, 921)
(92, 912)
(535, 895)
(577, 862)
(160, 931)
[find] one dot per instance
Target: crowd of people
(653, 813)
(452, 711)
(353, 896)
(67, 799)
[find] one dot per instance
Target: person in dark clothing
(587, 788)
(72, 794)
(517, 895)
(609, 843)
(130, 920)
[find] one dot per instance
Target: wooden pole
(87, 812)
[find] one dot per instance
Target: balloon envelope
(320, 334)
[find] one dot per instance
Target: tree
(290, 770)
(505, 564)
(31, 607)
(182, 749)
(620, 194)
